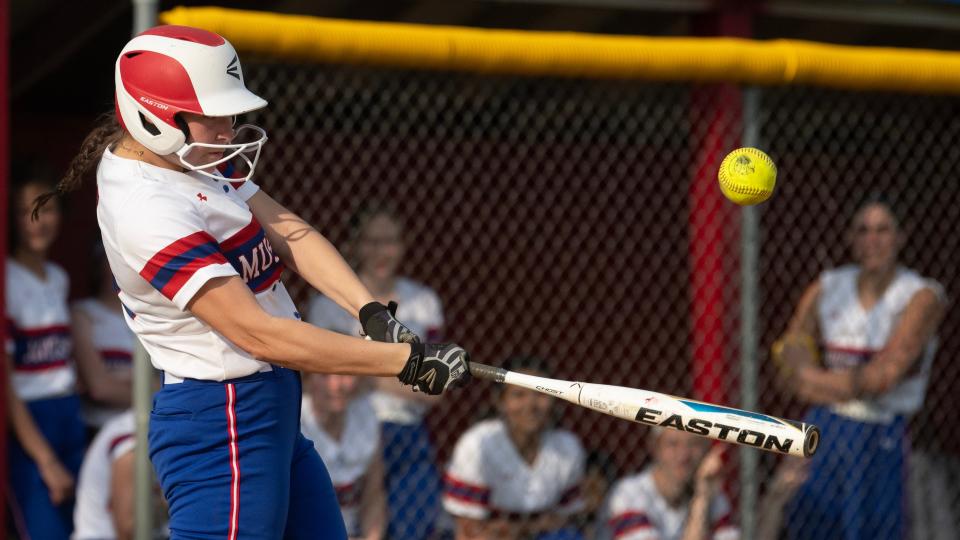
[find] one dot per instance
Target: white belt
(173, 379)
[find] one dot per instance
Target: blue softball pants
(233, 464)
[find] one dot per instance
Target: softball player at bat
(515, 476)
(48, 435)
(875, 321)
(198, 262)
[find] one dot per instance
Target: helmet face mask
(239, 157)
(169, 70)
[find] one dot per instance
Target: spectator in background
(677, 497)
(103, 345)
(516, 476)
(875, 321)
(48, 436)
(106, 485)
(375, 250)
(344, 430)
(599, 476)
(105, 489)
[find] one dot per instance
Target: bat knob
(811, 441)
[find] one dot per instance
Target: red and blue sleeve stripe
(628, 522)
(350, 494)
(170, 269)
(251, 255)
(117, 441)
(723, 521)
(465, 492)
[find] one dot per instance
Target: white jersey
(38, 333)
(166, 233)
(91, 515)
(419, 309)
(488, 477)
(852, 335)
(114, 341)
(637, 511)
(347, 459)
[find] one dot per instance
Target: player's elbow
(259, 340)
(255, 345)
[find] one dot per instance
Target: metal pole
(144, 17)
(749, 334)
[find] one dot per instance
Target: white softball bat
(727, 424)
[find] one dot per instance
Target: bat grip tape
(489, 373)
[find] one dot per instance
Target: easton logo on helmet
(232, 68)
(153, 103)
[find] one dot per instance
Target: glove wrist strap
(409, 373)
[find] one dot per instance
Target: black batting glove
(379, 324)
(432, 367)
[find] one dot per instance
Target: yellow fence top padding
(579, 55)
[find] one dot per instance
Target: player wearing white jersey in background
(103, 344)
(677, 497)
(48, 436)
(338, 417)
(198, 261)
(104, 509)
(375, 250)
(875, 321)
(515, 476)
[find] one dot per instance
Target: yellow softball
(747, 176)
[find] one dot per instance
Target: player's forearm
(26, 431)
(302, 346)
(770, 518)
(111, 390)
(819, 386)
(322, 266)
(309, 254)
(698, 520)
(373, 504)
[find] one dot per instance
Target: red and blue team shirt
(166, 233)
(637, 511)
(852, 335)
(487, 477)
(38, 332)
(113, 341)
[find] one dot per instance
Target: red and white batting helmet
(168, 70)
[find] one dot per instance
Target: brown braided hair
(105, 133)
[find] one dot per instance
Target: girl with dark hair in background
(48, 440)
(516, 476)
(875, 323)
(376, 249)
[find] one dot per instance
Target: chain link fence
(579, 221)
